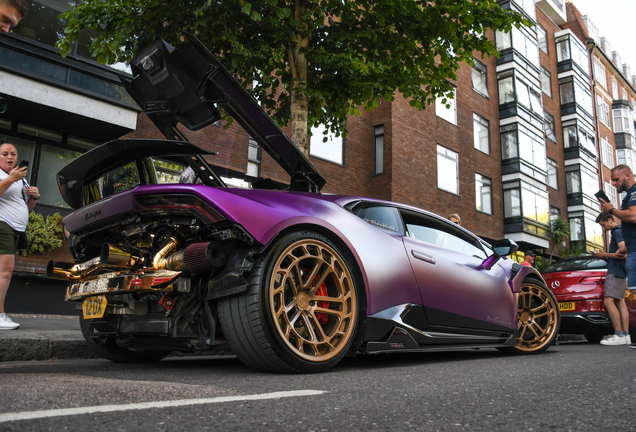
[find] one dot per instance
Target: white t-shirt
(13, 207)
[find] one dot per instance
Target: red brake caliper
(322, 292)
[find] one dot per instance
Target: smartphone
(602, 195)
(23, 163)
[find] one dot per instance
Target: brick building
(529, 136)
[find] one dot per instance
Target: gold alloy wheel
(538, 317)
(313, 300)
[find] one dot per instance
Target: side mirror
(502, 248)
(505, 247)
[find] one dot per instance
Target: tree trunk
(298, 61)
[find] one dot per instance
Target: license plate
(566, 306)
(94, 307)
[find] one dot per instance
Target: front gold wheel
(538, 318)
(312, 300)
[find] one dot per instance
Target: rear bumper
(585, 323)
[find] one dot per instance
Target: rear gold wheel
(312, 300)
(300, 310)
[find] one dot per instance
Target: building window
(553, 177)
(612, 194)
(42, 149)
(575, 135)
(614, 88)
(569, 48)
(480, 78)
(600, 73)
(483, 194)
(523, 199)
(519, 141)
(481, 134)
(253, 158)
(554, 214)
(623, 120)
(626, 157)
(514, 87)
(548, 126)
(542, 37)
(446, 108)
(379, 149)
(583, 228)
(326, 146)
(625, 97)
(521, 41)
(447, 170)
(580, 179)
(603, 112)
(608, 154)
(572, 90)
(546, 82)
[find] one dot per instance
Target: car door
(456, 290)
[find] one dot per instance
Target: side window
(383, 217)
(441, 233)
(118, 180)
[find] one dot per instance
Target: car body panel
(457, 283)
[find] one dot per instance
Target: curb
(24, 346)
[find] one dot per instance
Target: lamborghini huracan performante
(290, 279)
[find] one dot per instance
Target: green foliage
(559, 232)
(357, 52)
(572, 251)
(44, 235)
(540, 263)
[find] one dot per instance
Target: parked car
(579, 285)
(291, 279)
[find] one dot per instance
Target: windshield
(580, 263)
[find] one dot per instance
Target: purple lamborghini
(290, 279)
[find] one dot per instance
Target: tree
(309, 62)
(559, 232)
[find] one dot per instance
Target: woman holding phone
(17, 198)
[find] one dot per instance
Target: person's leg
(624, 314)
(615, 318)
(6, 270)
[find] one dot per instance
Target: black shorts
(9, 239)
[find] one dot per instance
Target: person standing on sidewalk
(17, 198)
(11, 12)
(615, 281)
(529, 259)
(623, 180)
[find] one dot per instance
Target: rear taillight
(592, 280)
(178, 204)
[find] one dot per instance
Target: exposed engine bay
(150, 276)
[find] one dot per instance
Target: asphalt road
(570, 387)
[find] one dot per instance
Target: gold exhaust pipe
(69, 271)
(119, 257)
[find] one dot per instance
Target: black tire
(299, 313)
(539, 318)
(107, 347)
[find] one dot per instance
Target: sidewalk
(43, 337)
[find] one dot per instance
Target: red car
(578, 284)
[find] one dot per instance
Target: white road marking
(30, 415)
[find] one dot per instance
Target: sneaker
(628, 340)
(6, 323)
(632, 345)
(614, 340)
